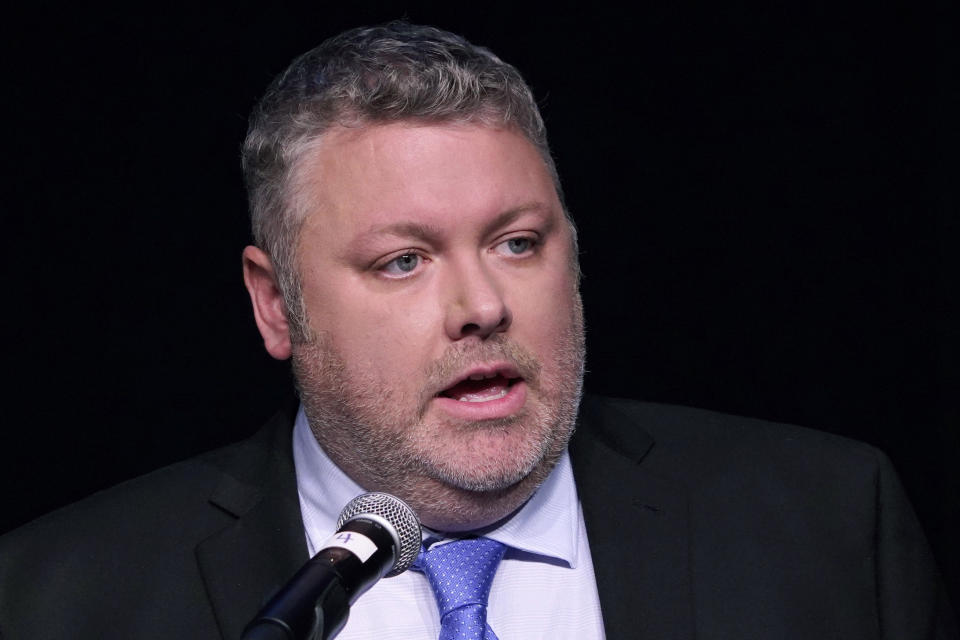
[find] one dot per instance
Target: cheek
(392, 337)
(545, 311)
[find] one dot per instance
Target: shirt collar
(546, 528)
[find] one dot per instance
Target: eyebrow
(427, 232)
(416, 230)
(510, 215)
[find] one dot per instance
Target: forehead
(434, 173)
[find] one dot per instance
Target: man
(415, 261)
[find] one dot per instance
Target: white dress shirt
(544, 587)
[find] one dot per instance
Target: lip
(505, 369)
(511, 403)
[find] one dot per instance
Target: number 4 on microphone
(356, 543)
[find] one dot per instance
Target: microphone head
(397, 518)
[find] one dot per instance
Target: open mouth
(480, 387)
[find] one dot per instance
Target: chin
(482, 481)
(491, 461)
(453, 509)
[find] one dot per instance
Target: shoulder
(736, 469)
(136, 540)
(776, 518)
(694, 442)
(741, 477)
(62, 574)
(140, 506)
(154, 500)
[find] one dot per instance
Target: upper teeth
(482, 376)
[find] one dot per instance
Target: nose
(476, 305)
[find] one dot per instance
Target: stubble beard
(377, 433)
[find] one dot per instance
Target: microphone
(378, 535)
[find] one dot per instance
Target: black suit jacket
(700, 525)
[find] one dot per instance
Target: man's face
(445, 348)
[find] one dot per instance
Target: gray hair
(369, 75)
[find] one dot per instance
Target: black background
(766, 196)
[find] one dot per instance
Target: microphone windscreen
(396, 516)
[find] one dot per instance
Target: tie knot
(461, 572)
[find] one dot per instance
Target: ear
(269, 308)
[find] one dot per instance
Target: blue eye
(402, 264)
(519, 245)
(516, 246)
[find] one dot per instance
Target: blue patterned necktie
(461, 573)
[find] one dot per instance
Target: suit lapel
(245, 563)
(637, 526)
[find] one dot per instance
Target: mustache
(460, 356)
